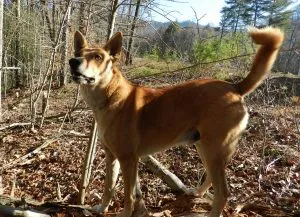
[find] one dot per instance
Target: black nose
(75, 62)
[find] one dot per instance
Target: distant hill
(183, 24)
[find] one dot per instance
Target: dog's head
(92, 66)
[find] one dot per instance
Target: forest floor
(263, 175)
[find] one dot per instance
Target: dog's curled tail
(270, 40)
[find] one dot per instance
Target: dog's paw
(100, 208)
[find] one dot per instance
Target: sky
(183, 11)
(209, 9)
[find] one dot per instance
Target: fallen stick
(30, 154)
(169, 178)
(14, 125)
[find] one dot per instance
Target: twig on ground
(59, 198)
(30, 154)
(159, 170)
(14, 125)
(77, 134)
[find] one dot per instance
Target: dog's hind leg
(112, 172)
(201, 190)
(217, 151)
(129, 171)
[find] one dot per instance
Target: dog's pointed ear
(114, 44)
(79, 42)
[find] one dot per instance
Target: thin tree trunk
(298, 67)
(46, 18)
(88, 162)
(81, 20)
(64, 58)
(128, 19)
(1, 45)
(92, 144)
(197, 19)
(88, 16)
(53, 19)
(289, 54)
(255, 14)
(17, 44)
(128, 59)
(112, 19)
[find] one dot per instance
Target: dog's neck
(100, 96)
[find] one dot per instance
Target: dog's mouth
(77, 76)
(80, 78)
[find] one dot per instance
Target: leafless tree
(128, 59)
(17, 6)
(1, 45)
(64, 55)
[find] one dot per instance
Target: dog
(135, 121)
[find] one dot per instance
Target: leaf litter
(263, 176)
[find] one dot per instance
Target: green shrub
(154, 53)
(214, 48)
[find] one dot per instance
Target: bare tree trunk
(46, 17)
(112, 19)
(198, 19)
(84, 16)
(53, 19)
(17, 44)
(1, 45)
(298, 67)
(88, 16)
(88, 162)
(128, 19)
(81, 20)
(64, 58)
(289, 54)
(128, 59)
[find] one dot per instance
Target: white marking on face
(106, 76)
(92, 71)
(89, 71)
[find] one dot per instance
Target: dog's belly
(188, 137)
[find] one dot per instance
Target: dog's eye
(98, 57)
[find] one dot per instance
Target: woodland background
(45, 127)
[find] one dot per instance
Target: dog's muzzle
(77, 76)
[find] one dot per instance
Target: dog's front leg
(129, 172)
(112, 172)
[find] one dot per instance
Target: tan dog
(134, 120)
